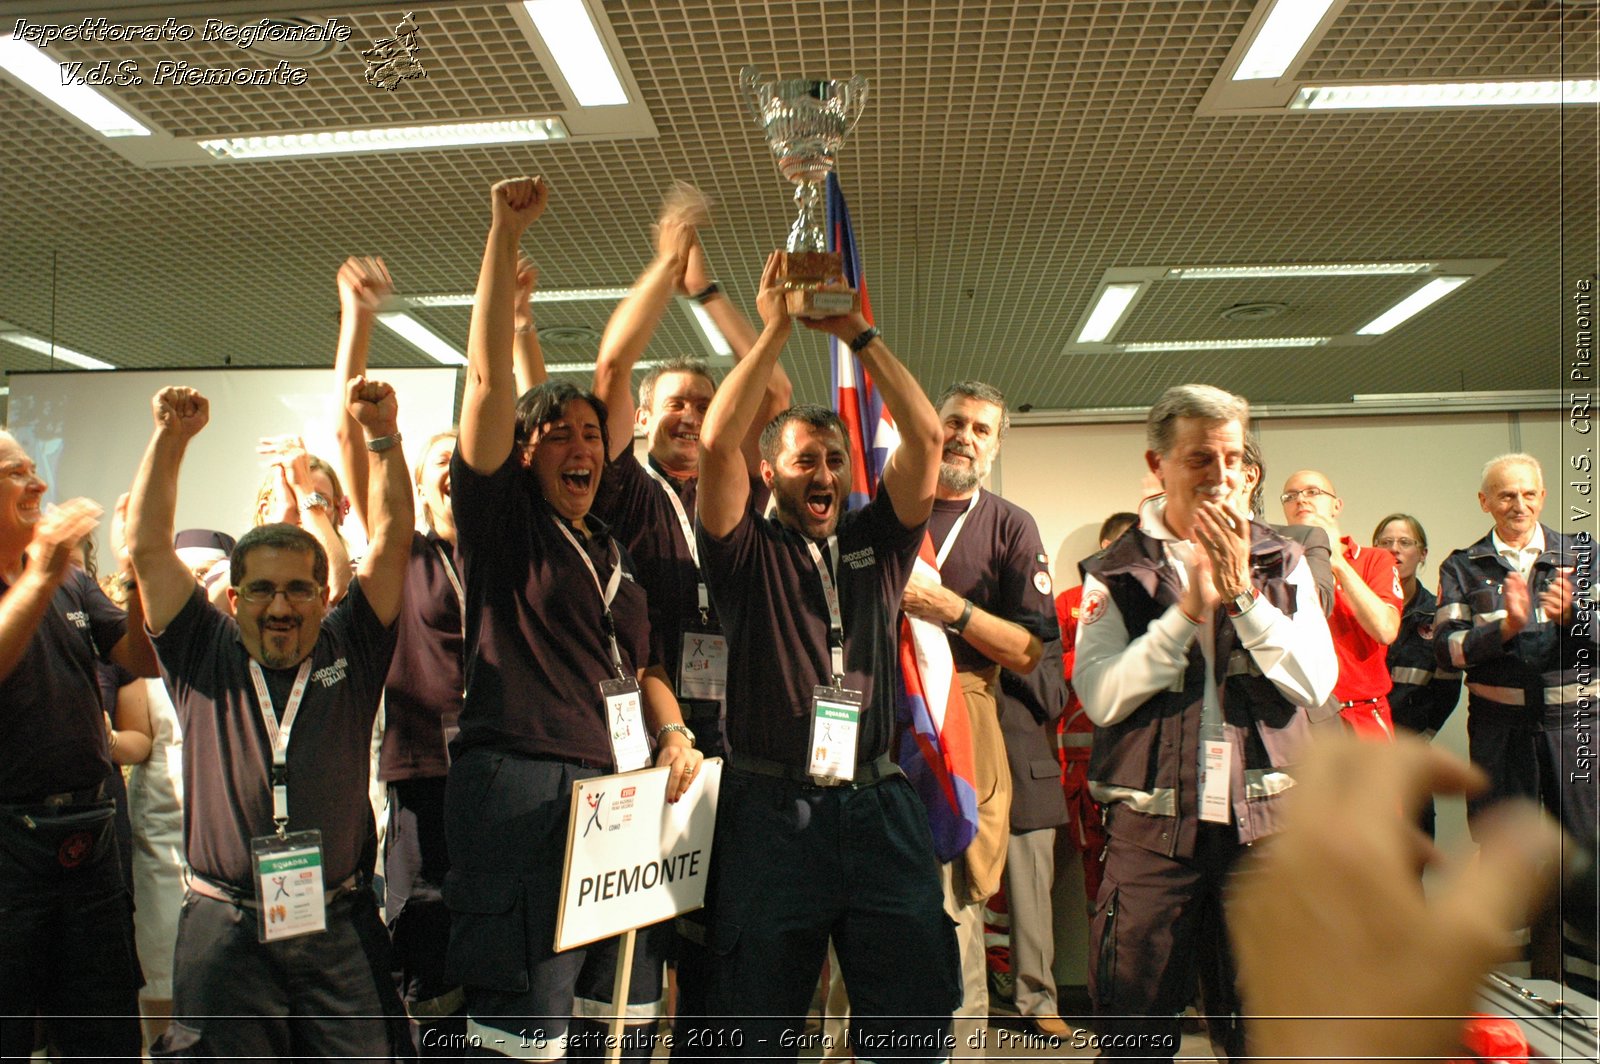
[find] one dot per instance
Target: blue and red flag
(936, 742)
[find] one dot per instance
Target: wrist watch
(315, 500)
(959, 625)
(681, 729)
(1241, 602)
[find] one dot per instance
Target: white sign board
(633, 858)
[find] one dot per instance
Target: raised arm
(49, 559)
(364, 283)
(1375, 607)
(133, 651)
(913, 469)
(372, 405)
(527, 355)
(634, 321)
(724, 482)
(165, 583)
(697, 284)
(293, 465)
(489, 405)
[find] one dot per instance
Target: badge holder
(630, 747)
(835, 728)
(288, 879)
(703, 666)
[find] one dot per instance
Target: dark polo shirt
(637, 507)
(227, 755)
(537, 646)
(999, 563)
(422, 696)
(769, 596)
(52, 729)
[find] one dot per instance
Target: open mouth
(577, 481)
(820, 504)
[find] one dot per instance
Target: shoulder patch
(1094, 606)
(1041, 582)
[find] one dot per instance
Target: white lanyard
(455, 584)
(688, 537)
(278, 734)
(955, 530)
(830, 595)
(607, 593)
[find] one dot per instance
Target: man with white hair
(1514, 612)
(1200, 644)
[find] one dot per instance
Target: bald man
(1366, 607)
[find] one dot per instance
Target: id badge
(630, 748)
(288, 877)
(1215, 804)
(703, 666)
(835, 722)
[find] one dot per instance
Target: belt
(210, 888)
(1361, 702)
(871, 774)
(87, 796)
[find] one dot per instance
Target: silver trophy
(805, 123)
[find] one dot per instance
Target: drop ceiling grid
(1456, 39)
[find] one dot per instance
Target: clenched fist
(182, 411)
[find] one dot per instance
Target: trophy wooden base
(815, 283)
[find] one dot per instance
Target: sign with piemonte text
(634, 859)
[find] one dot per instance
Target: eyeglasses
(299, 592)
(1400, 542)
(1304, 493)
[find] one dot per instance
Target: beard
(958, 480)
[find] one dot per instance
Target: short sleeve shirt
(422, 696)
(1363, 661)
(769, 596)
(635, 504)
(52, 729)
(536, 635)
(227, 754)
(997, 562)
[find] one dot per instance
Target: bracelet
(959, 625)
(383, 443)
(704, 295)
(314, 501)
(859, 344)
(524, 330)
(128, 582)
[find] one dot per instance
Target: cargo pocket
(488, 938)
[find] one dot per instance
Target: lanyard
(278, 734)
(955, 529)
(455, 584)
(830, 595)
(607, 593)
(688, 538)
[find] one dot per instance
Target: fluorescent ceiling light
(1446, 94)
(45, 347)
(540, 295)
(1324, 269)
(396, 138)
(576, 47)
(713, 335)
(43, 74)
(1114, 301)
(588, 367)
(423, 338)
(1280, 37)
(1223, 345)
(1415, 303)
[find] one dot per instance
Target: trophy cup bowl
(805, 122)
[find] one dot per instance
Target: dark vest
(1149, 760)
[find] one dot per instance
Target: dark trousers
(796, 864)
(415, 862)
(506, 817)
(1538, 759)
(328, 994)
(1158, 926)
(66, 934)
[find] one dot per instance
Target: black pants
(415, 863)
(1158, 926)
(66, 934)
(328, 994)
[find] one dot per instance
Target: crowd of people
(533, 596)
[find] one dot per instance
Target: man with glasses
(1366, 607)
(280, 951)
